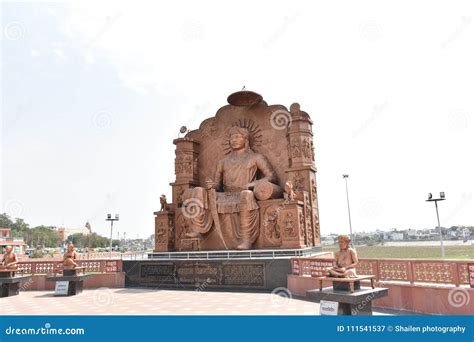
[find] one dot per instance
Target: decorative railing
(403, 270)
(80, 256)
(91, 266)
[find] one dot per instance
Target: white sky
(94, 92)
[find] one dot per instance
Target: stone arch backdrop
(285, 138)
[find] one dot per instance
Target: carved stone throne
(285, 138)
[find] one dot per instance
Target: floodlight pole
(111, 219)
(348, 208)
(439, 224)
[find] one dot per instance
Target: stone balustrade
(91, 266)
(401, 270)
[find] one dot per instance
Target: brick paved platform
(106, 301)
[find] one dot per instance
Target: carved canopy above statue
(278, 153)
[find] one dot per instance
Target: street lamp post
(348, 208)
(442, 197)
(111, 219)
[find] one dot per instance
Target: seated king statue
(228, 201)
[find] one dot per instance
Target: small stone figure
(164, 204)
(10, 259)
(70, 257)
(289, 192)
(345, 260)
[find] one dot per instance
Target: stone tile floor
(106, 301)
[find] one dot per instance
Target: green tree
(42, 236)
(5, 221)
(92, 240)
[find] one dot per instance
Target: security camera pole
(109, 218)
(441, 198)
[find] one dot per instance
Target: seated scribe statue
(70, 257)
(234, 205)
(10, 259)
(345, 260)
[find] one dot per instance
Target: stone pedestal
(345, 286)
(10, 286)
(76, 282)
(357, 303)
(223, 274)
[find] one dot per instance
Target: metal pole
(440, 230)
(348, 207)
(111, 228)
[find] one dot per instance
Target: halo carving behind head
(255, 134)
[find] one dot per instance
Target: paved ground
(154, 302)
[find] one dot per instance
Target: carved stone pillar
(186, 168)
(291, 223)
(302, 170)
(164, 231)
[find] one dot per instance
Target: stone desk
(346, 284)
(10, 283)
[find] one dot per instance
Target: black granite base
(344, 286)
(10, 286)
(201, 275)
(357, 303)
(76, 283)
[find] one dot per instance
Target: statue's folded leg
(249, 219)
(197, 210)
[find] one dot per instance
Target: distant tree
(79, 240)
(42, 236)
(5, 221)
(47, 236)
(20, 227)
(92, 240)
